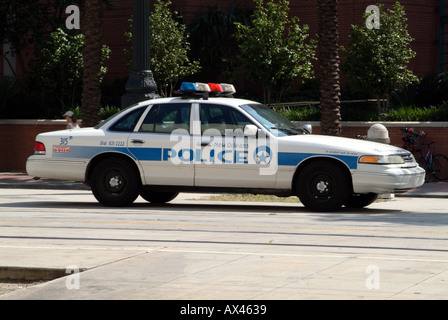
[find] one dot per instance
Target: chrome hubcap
(322, 186)
(115, 182)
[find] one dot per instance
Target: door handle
(204, 143)
(139, 141)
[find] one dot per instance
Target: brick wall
(17, 136)
(423, 25)
(17, 140)
(115, 24)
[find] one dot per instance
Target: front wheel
(357, 200)
(115, 183)
(157, 196)
(323, 186)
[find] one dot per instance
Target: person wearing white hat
(71, 120)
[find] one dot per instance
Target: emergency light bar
(204, 90)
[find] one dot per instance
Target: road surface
(198, 249)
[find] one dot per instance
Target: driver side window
(225, 119)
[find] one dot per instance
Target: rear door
(158, 143)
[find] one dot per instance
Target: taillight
(39, 148)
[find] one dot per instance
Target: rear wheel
(157, 196)
(357, 200)
(323, 186)
(115, 183)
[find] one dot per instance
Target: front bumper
(387, 178)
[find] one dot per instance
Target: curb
(30, 273)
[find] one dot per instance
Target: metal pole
(140, 85)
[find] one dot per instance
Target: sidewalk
(18, 180)
(23, 181)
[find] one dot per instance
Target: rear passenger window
(165, 118)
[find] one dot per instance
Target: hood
(338, 145)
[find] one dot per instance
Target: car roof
(217, 100)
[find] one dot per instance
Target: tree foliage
(273, 50)
(169, 48)
(58, 68)
(53, 78)
(28, 22)
(377, 59)
(213, 42)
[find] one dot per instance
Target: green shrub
(108, 111)
(413, 113)
(301, 113)
(360, 113)
(430, 90)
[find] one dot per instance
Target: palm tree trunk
(91, 93)
(329, 67)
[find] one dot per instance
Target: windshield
(272, 121)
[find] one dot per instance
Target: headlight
(391, 159)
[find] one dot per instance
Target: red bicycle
(436, 165)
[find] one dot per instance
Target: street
(199, 249)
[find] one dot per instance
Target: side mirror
(250, 130)
(308, 128)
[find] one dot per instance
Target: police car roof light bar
(215, 87)
(203, 90)
(228, 88)
(188, 87)
(202, 87)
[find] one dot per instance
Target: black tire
(157, 196)
(357, 200)
(115, 183)
(323, 186)
(440, 166)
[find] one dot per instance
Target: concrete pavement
(186, 273)
(23, 181)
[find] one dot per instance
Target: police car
(207, 141)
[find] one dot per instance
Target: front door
(228, 158)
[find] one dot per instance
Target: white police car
(205, 141)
